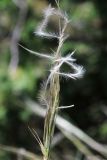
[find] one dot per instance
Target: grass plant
(52, 85)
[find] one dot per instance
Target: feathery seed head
(57, 62)
(50, 96)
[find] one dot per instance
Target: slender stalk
(53, 94)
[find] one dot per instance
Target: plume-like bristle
(42, 96)
(42, 55)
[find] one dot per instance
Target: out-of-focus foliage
(88, 35)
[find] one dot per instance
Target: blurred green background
(21, 74)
